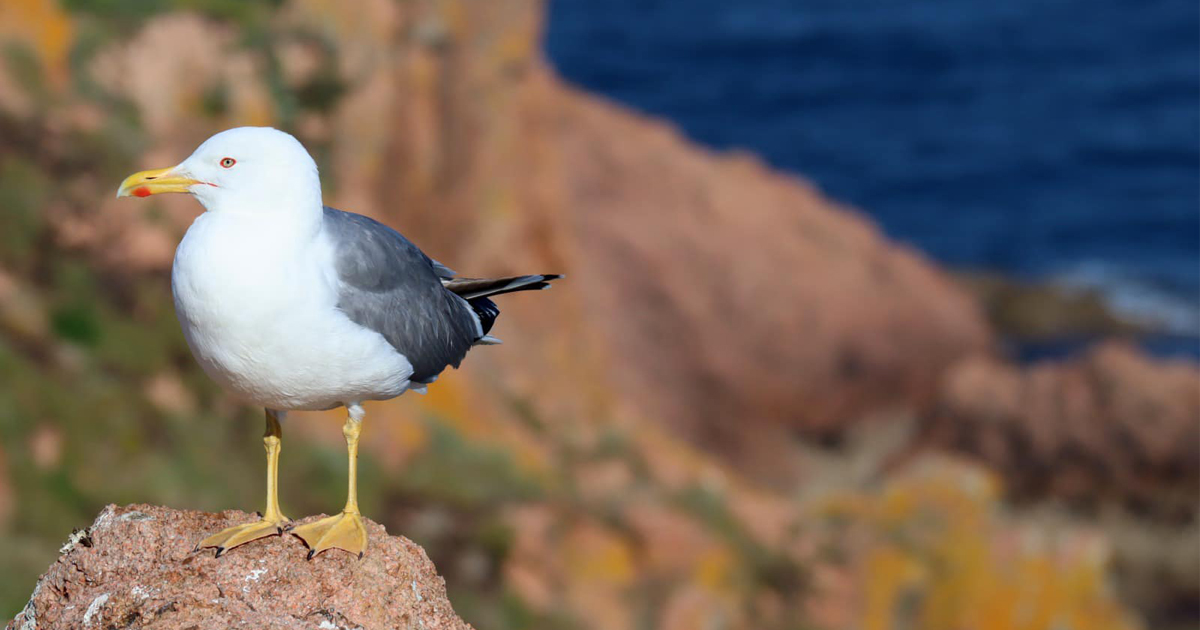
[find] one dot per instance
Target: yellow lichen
(45, 28)
(941, 556)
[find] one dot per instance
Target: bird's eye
(228, 162)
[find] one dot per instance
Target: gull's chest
(244, 281)
(245, 300)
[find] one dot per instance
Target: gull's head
(247, 169)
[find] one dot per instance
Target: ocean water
(1048, 139)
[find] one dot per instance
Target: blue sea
(1048, 139)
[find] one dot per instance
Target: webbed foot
(231, 537)
(344, 531)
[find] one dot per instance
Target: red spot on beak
(141, 191)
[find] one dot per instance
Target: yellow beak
(148, 183)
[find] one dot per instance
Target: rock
(135, 567)
(1025, 310)
(728, 291)
(1113, 424)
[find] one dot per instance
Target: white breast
(257, 297)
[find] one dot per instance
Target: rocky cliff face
(740, 306)
(136, 567)
(1108, 426)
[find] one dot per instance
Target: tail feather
(471, 288)
(477, 291)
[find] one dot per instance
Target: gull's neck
(289, 213)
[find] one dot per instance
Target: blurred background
(878, 314)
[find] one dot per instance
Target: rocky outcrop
(1111, 425)
(1112, 434)
(1032, 311)
(728, 291)
(135, 567)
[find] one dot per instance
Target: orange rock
(731, 297)
(46, 445)
(669, 543)
(1112, 424)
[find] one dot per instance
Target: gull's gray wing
(389, 285)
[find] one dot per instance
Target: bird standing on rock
(293, 305)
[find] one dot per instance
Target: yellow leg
(273, 521)
(346, 530)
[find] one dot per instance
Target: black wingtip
(311, 553)
(220, 550)
(546, 279)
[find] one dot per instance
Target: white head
(247, 169)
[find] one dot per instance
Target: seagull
(293, 305)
